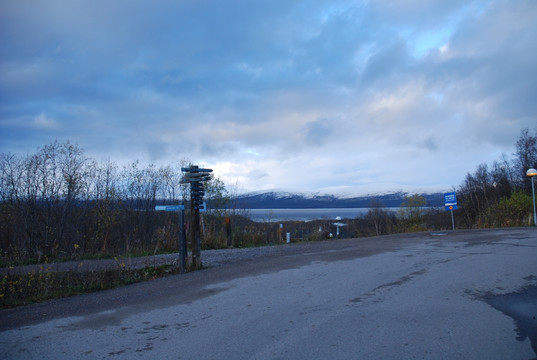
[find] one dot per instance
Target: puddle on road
(521, 307)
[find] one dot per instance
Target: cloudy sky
(314, 96)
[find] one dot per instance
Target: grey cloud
(386, 62)
(257, 175)
(222, 150)
(207, 78)
(157, 150)
(431, 144)
(318, 132)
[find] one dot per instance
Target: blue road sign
(169, 207)
(450, 201)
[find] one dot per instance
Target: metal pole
(452, 221)
(533, 193)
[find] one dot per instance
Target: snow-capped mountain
(289, 200)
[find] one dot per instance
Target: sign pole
(192, 235)
(196, 260)
(182, 247)
(450, 202)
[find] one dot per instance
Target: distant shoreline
(309, 214)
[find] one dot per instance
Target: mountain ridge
(289, 200)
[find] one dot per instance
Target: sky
(319, 96)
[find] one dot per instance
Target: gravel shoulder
(210, 258)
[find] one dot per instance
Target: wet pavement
(522, 307)
(454, 295)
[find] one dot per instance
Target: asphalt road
(453, 295)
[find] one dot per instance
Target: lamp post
(532, 173)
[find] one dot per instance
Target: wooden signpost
(195, 177)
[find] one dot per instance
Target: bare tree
(379, 217)
(11, 173)
(526, 157)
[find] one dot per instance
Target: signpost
(195, 176)
(450, 203)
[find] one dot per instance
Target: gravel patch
(209, 258)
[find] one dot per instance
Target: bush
(514, 210)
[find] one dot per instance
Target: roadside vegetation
(57, 205)
(19, 289)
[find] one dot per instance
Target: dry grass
(32, 287)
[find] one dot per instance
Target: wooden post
(196, 252)
(182, 244)
(228, 232)
(195, 235)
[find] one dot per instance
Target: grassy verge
(22, 289)
(6, 261)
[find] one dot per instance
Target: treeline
(500, 195)
(58, 203)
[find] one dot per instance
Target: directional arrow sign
(196, 170)
(169, 207)
(196, 177)
(197, 174)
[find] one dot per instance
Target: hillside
(284, 200)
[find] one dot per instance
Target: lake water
(274, 215)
